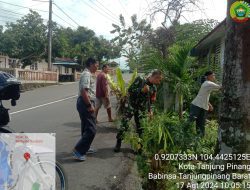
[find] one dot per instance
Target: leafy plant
(156, 136)
(167, 134)
(180, 73)
(120, 88)
(133, 139)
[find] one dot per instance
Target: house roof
(67, 62)
(63, 59)
(216, 34)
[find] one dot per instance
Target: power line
(111, 19)
(14, 18)
(63, 19)
(105, 8)
(22, 6)
(45, 20)
(99, 12)
(66, 14)
(125, 10)
(9, 11)
(29, 7)
(7, 20)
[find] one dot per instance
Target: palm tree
(179, 70)
(180, 73)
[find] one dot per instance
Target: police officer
(141, 95)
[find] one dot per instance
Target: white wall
(4, 62)
(40, 66)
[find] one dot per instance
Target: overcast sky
(99, 15)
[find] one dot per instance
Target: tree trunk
(168, 97)
(235, 108)
(180, 106)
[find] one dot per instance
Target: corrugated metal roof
(217, 33)
(65, 63)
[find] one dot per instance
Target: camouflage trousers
(126, 116)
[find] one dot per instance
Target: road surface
(53, 109)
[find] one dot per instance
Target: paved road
(52, 109)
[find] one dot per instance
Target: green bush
(166, 133)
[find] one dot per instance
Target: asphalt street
(53, 109)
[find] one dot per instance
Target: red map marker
(26, 156)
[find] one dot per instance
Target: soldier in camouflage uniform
(141, 95)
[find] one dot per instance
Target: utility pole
(50, 36)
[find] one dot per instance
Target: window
(66, 70)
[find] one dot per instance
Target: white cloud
(99, 15)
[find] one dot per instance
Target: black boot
(118, 145)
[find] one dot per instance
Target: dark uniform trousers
(199, 115)
(88, 127)
(129, 112)
(137, 105)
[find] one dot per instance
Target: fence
(77, 76)
(33, 76)
(111, 71)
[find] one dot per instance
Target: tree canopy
(26, 39)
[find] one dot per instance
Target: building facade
(211, 49)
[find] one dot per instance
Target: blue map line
(5, 170)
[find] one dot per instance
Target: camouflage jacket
(139, 100)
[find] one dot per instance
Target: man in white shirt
(201, 105)
(86, 109)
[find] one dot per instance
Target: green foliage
(167, 134)
(121, 82)
(195, 31)
(132, 138)
(161, 39)
(120, 89)
(131, 38)
(27, 40)
(134, 75)
(152, 59)
(156, 136)
(180, 72)
(81, 44)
